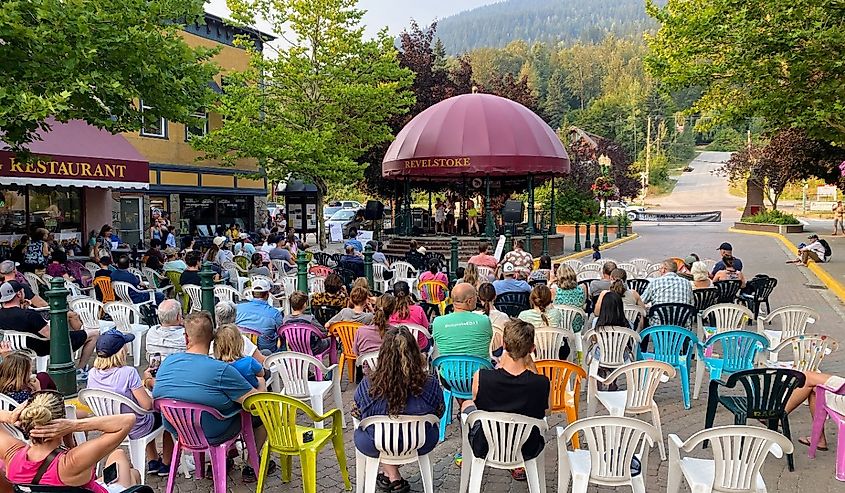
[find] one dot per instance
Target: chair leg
(784, 423)
(710, 416)
(360, 471)
(819, 417)
(533, 476)
(340, 453)
(571, 417)
(371, 475)
(309, 471)
(136, 350)
(138, 458)
(338, 403)
(840, 451)
(171, 478)
(699, 376)
(218, 468)
(317, 406)
(447, 413)
(466, 455)
(287, 467)
(476, 474)
(673, 485)
(426, 473)
(685, 385)
(262, 469)
(655, 416)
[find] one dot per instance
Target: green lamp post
(61, 368)
(368, 265)
(207, 287)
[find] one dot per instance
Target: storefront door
(131, 220)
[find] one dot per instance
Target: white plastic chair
(641, 264)
(484, 272)
(17, 342)
(738, 455)
(726, 317)
(224, 292)
(316, 284)
(641, 379)
(403, 271)
(279, 268)
(152, 277)
(9, 404)
(289, 285)
(548, 341)
(653, 271)
(89, 311)
(127, 319)
(92, 267)
(505, 434)
(808, 351)
(290, 377)
(398, 440)
(194, 293)
(612, 442)
(710, 263)
(237, 276)
(416, 329)
(793, 321)
(123, 292)
(615, 346)
(632, 270)
(496, 342)
(588, 275)
(35, 282)
(379, 282)
(592, 267)
(574, 264)
(370, 359)
(568, 315)
(106, 403)
(634, 313)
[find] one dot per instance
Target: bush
(726, 140)
(571, 204)
(771, 217)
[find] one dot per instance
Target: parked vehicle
(616, 207)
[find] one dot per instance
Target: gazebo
(475, 137)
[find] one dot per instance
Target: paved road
(695, 191)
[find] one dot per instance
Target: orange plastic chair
(434, 292)
(345, 332)
(565, 389)
(104, 285)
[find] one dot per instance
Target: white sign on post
(500, 246)
(335, 233)
(365, 236)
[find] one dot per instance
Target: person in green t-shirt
(463, 332)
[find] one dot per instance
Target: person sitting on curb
(815, 251)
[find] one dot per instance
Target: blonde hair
(228, 343)
(116, 360)
(15, 372)
(42, 408)
(699, 271)
(471, 274)
(566, 277)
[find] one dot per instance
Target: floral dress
(572, 297)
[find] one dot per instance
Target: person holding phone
(44, 461)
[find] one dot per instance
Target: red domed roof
(474, 135)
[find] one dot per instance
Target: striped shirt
(670, 288)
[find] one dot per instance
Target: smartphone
(110, 473)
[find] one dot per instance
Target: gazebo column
(553, 216)
(406, 199)
(430, 212)
(488, 214)
(530, 228)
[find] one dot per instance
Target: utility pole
(647, 159)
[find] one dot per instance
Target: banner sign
(681, 217)
(74, 168)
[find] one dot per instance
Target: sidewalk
(836, 266)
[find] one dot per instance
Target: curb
(829, 281)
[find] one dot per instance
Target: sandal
(399, 486)
(518, 474)
(382, 482)
(806, 441)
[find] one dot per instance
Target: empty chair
(792, 320)
(564, 388)
(642, 265)
(740, 350)
(128, 319)
(36, 283)
(290, 377)
(574, 264)
(675, 346)
(456, 372)
(638, 285)
(435, 293)
(505, 434)
(808, 351)
(485, 273)
(237, 276)
(398, 440)
(320, 270)
(767, 390)
(152, 277)
(738, 455)
(403, 271)
(760, 289)
(227, 293)
(379, 282)
(316, 284)
(641, 380)
(289, 284)
(612, 444)
(728, 290)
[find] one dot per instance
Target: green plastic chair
(284, 437)
(178, 294)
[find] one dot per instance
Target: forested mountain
(542, 20)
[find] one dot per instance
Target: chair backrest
(633, 313)
(417, 329)
(548, 340)
(793, 319)
(345, 331)
(243, 261)
(762, 287)
(324, 313)
(320, 270)
(569, 314)
(669, 342)
(316, 284)
(574, 264)
(739, 348)
(92, 267)
(591, 267)
(289, 284)
(124, 315)
(151, 276)
(433, 291)
(767, 390)
(370, 359)
(278, 413)
(680, 314)
(612, 442)
(194, 293)
(739, 452)
(186, 419)
(638, 285)
(485, 273)
(403, 270)
(136, 272)
(512, 303)
(727, 316)
(399, 437)
(292, 372)
(103, 283)
(175, 281)
(629, 268)
(457, 372)
(728, 289)
(35, 282)
(808, 350)
(226, 293)
(122, 290)
(641, 380)
(107, 403)
(563, 377)
(506, 433)
(17, 340)
(7, 403)
(324, 259)
(279, 267)
(298, 336)
(587, 275)
(642, 264)
(704, 298)
(89, 311)
(653, 271)
(378, 271)
(614, 343)
(347, 275)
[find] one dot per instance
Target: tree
(557, 99)
(778, 59)
(317, 106)
(94, 60)
(507, 86)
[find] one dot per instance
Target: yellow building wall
(174, 149)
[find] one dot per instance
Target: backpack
(827, 250)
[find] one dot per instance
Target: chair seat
(580, 466)
(315, 389)
(614, 401)
(700, 474)
(320, 439)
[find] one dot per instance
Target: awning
(76, 154)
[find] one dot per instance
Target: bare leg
(88, 347)
(167, 448)
(392, 472)
(126, 476)
(808, 393)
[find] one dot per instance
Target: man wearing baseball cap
(9, 272)
(814, 251)
(510, 284)
(725, 250)
(257, 314)
(225, 254)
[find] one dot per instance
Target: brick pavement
(759, 254)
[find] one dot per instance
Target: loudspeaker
(512, 211)
(374, 211)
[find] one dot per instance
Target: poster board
(500, 246)
(364, 236)
(335, 233)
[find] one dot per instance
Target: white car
(616, 207)
(344, 218)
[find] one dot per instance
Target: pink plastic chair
(185, 418)
(298, 338)
(830, 403)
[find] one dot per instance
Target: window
(152, 127)
(197, 128)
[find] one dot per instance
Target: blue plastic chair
(672, 345)
(739, 352)
(456, 373)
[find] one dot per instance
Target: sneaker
(248, 475)
(81, 375)
(154, 466)
(164, 470)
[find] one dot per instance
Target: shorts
(42, 348)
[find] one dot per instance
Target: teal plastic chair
(739, 350)
(456, 373)
(673, 345)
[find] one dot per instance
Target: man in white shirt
(815, 251)
(168, 337)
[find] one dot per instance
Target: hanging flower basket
(604, 188)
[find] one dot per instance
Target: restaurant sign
(458, 162)
(54, 167)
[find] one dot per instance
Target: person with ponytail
(369, 337)
(486, 299)
(400, 385)
(619, 285)
(42, 421)
(407, 311)
(541, 313)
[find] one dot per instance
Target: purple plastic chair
(185, 418)
(298, 339)
(830, 403)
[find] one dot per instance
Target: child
(298, 302)
(16, 378)
(229, 348)
(596, 252)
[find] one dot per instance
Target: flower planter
(770, 228)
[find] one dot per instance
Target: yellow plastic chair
(178, 294)
(345, 332)
(565, 388)
(284, 437)
(435, 292)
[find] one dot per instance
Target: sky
(395, 14)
